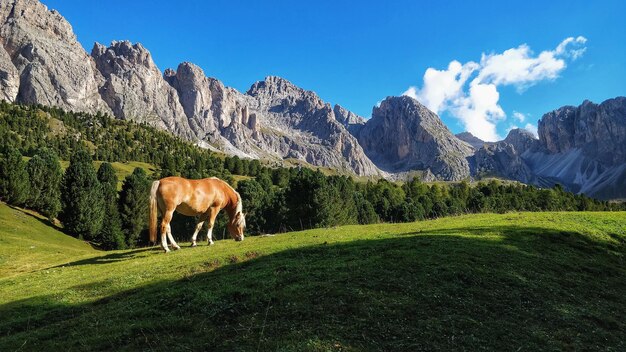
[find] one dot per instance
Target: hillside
(28, 243)
(517, 281)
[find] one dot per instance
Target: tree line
(89, 206)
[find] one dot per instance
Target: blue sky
(357, 53)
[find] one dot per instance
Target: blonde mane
(241, 220)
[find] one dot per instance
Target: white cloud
(562, 49)
(519, 116)
(442, 86)
(532, 129)
(475, 102)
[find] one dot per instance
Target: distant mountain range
(41, 61)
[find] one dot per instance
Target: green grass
(512, 282)
(28, 242)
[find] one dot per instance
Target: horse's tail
(153, 211)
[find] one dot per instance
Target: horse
(202, 198)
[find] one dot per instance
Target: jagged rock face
(349, 120)
(135, 90)
(9, 77)
(502, 160)
(522, 140)
(49, 65)
(470, 139)
(217, 114)
(273, 120)
(298, 124)
(584, 148)
(194, 93)
(598, 130)
(404, 135)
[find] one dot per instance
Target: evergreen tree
(14, 185)
(81, 197)
(305, 198)
(168, 167)
(111, 235)
(133, 206)
(365, 211)
(257, 204)
(45, 175)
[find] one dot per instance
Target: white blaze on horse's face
(236, 226)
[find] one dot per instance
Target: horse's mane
(241, 220)
(240, 217)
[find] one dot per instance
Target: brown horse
(203, 198)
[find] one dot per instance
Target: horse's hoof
(176, 248)
(211, 243)
(194, 245)
(167, 251)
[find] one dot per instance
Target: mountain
(41, 62)
(350, 120)
(583, 148)
(134, 88)
(504, 158)
(300, 125)
(403, 135)
(470, 139)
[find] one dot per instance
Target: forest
(87, 202)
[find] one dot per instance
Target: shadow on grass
(530, 289)
(110, 258)
(42, 220)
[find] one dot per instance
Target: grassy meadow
(510, 282)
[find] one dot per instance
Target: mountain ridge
(41, 62)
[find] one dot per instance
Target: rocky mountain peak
(188, 71)
(588, 127)
(276, 89)
(34, 17)
(122, 53)
(470, 139)
(275, 84)
(41, 61)
(135, 89)
(521, 139)
(348, 119)
(404, 135)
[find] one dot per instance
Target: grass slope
(28, 242)
(527, 281)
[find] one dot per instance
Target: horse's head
(236, 225)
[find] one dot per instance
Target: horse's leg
(169, 235)
(212, 215)
(195, 234)
(165, 226)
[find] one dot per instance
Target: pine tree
(81, 197)
(111, 235)
(14, 185)
(365, 211)
(133, 206)
(45, 175)
(256, 201)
